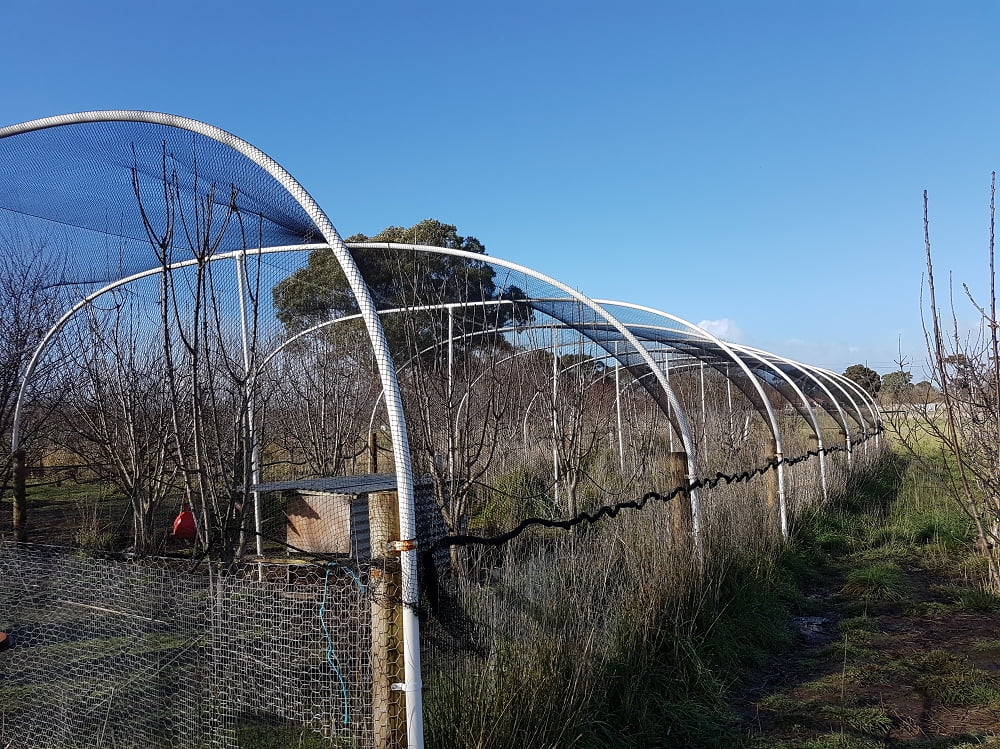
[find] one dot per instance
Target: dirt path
(908, 658)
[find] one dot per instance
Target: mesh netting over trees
(254, 470)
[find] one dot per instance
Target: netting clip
(408, 544)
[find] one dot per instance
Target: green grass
(861, 623)
(883, 547)
(880, 581)
(835, 741)
(953, 681)
(978, 601)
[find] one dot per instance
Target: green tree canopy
(405, 279)
(897, 384)
(864, 376)
(925, 392)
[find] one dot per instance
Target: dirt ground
(922, 670)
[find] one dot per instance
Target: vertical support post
(452, 426)
(385, 587)
(373, 454)
(618, 410)
(729, 400)
(782, 492)
(704, 415)
(670, 423)
(20, 497)
(846, 439)
(816, 445)
(681, 521)
(555, 419)
(773, 489)
(242, 283)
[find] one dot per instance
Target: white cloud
(724, 328)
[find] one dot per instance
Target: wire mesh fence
(108, 652)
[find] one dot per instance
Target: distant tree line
(892, 387)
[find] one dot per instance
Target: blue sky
(759, 165)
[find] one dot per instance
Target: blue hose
(329, 641)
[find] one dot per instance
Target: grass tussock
(615, 637)
(880, 581)
(953, 681)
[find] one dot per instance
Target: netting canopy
(289, 448)
(109, 191)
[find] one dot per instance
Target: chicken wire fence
(207, 446)
(111, 652)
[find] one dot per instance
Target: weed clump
(881, 581)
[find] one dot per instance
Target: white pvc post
(704, 415)
(618, 410)
(241, 284)
(452, 421)
(666, 375)
(729, 400)
(555, 420)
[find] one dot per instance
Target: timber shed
(338, 514)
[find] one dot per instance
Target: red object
(184, 523)
(4, 641)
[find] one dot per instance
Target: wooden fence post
(771, 498)
(385, 586)
(20, 497)
(681, 522)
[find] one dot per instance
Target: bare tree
(966, 368)
(31, 300)
(209, 327)
(581, 402)
(460, 425)
(116, 417)
(324, 395)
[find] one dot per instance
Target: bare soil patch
(923, 671)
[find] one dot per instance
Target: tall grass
(615, 635)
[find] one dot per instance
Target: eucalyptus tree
(319, 291)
